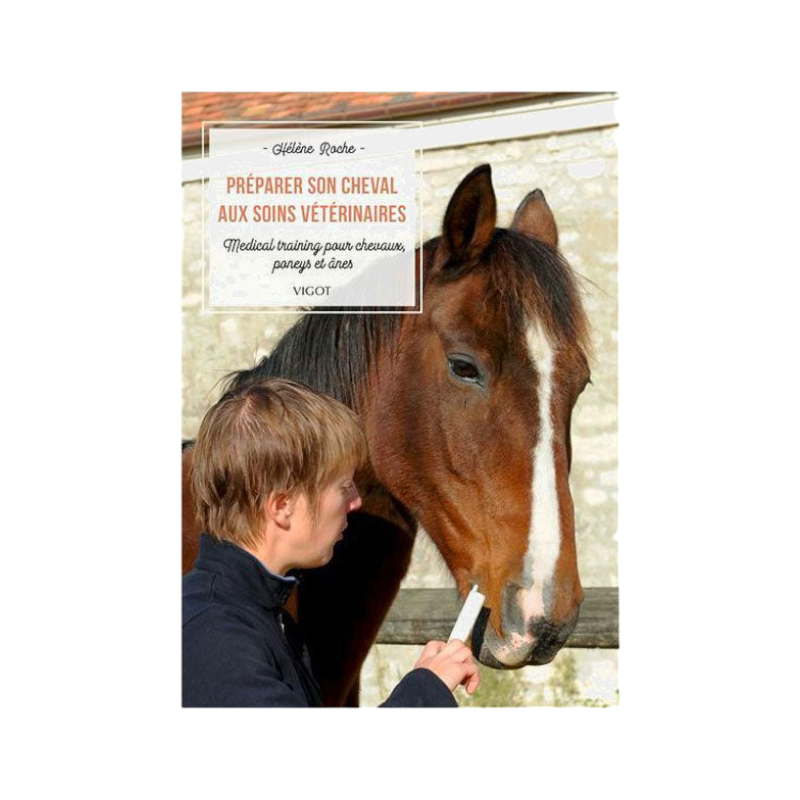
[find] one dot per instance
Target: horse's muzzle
(524, 642)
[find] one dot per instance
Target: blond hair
(273, 436)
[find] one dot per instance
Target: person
(272, 477)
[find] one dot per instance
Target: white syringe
(468, 615)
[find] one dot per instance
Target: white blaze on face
(544, 536)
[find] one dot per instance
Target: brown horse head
(476, 444)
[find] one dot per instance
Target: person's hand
(452, 662)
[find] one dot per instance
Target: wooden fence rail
(419, 615)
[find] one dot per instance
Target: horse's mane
(532, 281)
(333, 353)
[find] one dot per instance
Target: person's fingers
(431, 649)
(452, 662)
(472, 682)
(463, 655)
(429, 653)
(458, 651)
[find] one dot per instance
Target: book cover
(445, 264)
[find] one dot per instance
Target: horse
(466, 408)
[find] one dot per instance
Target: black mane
(331, 353)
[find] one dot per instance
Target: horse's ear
(470, 217)
(534, 218)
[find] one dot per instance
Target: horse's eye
(463, 369)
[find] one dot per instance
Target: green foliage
(564, 681)
(498, 689)
(564, 684)
(508, 688)
(592, 702)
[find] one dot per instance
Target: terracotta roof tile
(201, 107)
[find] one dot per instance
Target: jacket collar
(244, 574)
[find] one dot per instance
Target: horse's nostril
(547, 635)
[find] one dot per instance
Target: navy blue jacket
(241, 649)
